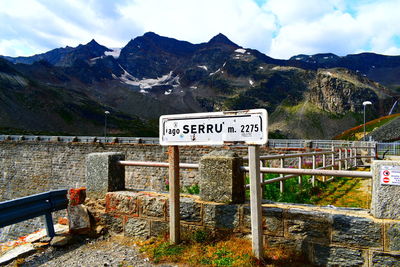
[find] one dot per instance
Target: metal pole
(300, 165)
(282, 183)
(323, 166)
(262, 179)
(49, 225)
(340, 159)
(313, 167)
(364, 124)
(255, 201)
(333, 159)
(105, 125)
(174, 214)
(346, 158)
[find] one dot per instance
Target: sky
(278, 28)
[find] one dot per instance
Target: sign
(390, 175)
(215, 128)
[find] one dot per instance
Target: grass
(351, 134)
(340, 192)
(230, 251)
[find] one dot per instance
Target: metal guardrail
(80, 139)
(25, 208)
(392, 149)
(273, 143)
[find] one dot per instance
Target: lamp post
(364, 104)
(105, 125)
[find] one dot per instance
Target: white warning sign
(390, 175)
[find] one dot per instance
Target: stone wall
(327, 236)
(33, 167)
(28, 167)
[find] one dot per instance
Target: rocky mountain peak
(221, 39)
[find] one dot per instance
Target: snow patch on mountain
(115, 52)
(203, 67)
(240, 50)
(146, 84)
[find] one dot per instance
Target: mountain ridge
(155, 75)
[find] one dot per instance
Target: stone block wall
(327, 236)
(28, 167)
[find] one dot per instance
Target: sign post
(247, 127)
(174, 214)
(255, 201)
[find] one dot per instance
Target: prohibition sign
(386, 173)
(386, 179)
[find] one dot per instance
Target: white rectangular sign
(215, 128)
(390, 175)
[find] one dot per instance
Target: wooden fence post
(174, 214)
(255, 201)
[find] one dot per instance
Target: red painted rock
(76, 196)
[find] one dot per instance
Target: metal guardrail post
(49, 225)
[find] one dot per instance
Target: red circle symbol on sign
(386, 179)
(386, 173)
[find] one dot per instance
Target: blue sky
(278, 28)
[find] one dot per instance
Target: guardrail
(25, 208)
(272, 143)
(80, 139)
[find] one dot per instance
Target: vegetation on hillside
(356, 133)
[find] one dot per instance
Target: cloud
(243, 21)
(336, 33)
(309, 27)
(279, 28)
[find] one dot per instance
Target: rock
(358, 231)
(61, 241)
(79, 220)
(16, 252)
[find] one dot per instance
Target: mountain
(380, 68)
(306, 96)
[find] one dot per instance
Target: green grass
(340, 192)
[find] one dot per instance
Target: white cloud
(335, 32)
(243, 21)
(279, 28)
(296, 11)
(312, 26)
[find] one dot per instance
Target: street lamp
(105, 125)
(364, 104)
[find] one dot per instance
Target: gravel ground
(115, 251)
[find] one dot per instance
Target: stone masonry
(328, 236)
